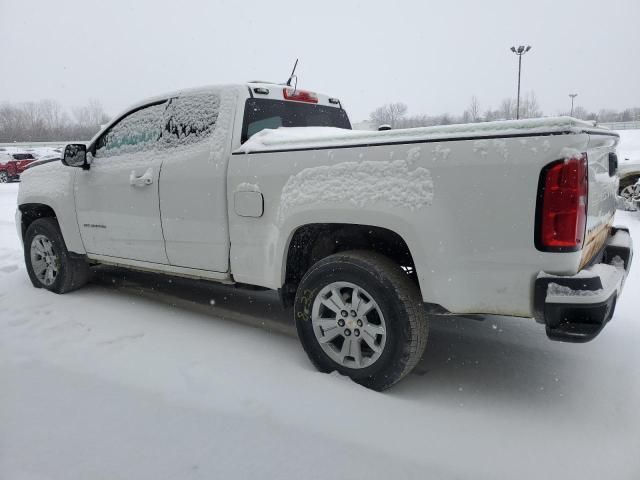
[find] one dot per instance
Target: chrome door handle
(142, 180)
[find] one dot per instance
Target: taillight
(300, 95)
(562, 205)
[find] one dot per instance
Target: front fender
(52, 185)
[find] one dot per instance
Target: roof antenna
(292, 75)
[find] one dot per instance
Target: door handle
(142, 180)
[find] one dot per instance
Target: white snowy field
(140, 377)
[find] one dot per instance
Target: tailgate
(603, 185)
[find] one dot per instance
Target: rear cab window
(190, 119)
(262, 113)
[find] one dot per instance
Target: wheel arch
(310, 243)
(629, 178)
(31, 211)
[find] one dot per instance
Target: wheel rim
(631, 192)
(44, 260)
(348, 325)
(3, 177)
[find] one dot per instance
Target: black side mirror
(75, 155)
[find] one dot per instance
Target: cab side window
(139, 131)
(190, 119)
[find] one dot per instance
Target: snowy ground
(136, 377)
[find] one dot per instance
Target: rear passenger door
(117, 198)
(193, 201)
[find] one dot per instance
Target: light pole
(521, 50)
(573, 96)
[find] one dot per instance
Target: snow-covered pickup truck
(365, 234)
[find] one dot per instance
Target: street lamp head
(528, 48)
(513, 49)
(520, 49)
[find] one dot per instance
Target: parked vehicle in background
(43, 161)
(629, 166)
(13, 164)
(363, 233)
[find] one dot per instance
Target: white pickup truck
(365, 234)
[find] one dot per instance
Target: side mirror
(75, 155)
(384, 127)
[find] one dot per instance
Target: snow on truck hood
(287, 138)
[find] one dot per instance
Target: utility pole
(573, 96)
(521, 50)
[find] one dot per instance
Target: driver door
(117, 199)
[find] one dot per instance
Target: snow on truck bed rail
(316, 137)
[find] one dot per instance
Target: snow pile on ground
(309, 137)
(137, 376)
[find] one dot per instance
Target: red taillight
(562, 205)
(300, 95)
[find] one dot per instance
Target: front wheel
(48, 261)
(360, 314)
(4, 177)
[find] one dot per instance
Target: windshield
(22, 156)
(261, 113)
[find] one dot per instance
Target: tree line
(47, 120)
(395, 114)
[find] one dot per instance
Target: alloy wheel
(44, 260)
(349, 325)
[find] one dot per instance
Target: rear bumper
(576, 308)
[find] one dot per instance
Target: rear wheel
(360, 314)
(630, 191)
(48, 261)
(4, 177)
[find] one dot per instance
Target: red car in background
(13, 164)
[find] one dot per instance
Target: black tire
(4, 177)
(72, 273)
(399, 300)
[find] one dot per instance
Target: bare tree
(91, 114)
(53, 115)
(491, 115)
(529, 107)
(580, 112)
(389, 114)
(47, 120)
(473, 111)
(507, 109)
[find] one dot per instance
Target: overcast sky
(432, 55)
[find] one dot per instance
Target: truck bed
(462, 196)
(303, 138)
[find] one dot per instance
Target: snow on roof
(315, 137)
